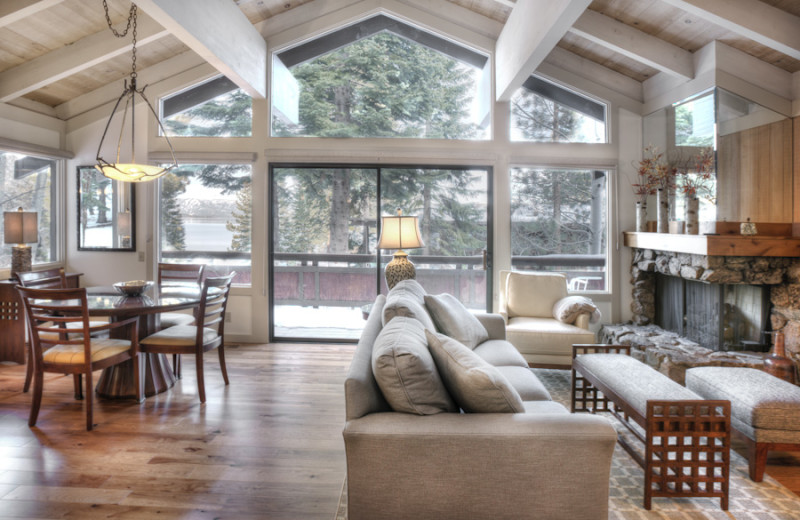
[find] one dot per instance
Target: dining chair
(207, 333)
(48, 311)
(180, 275)
(54, 278)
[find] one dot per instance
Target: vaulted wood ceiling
(55, 51)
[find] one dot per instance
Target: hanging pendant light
(130, 171)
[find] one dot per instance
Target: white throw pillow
(567, 310)
(476, 386)
(455, 320)
(405, 371)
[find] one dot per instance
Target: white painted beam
(598, 74)
(73, 58)
(14, 10)
(531, 32)
(220, 33)
(635, 44)
(753, 19)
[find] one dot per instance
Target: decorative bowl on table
(132, 288)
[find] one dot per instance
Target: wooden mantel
(716, 245)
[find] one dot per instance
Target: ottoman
(765, 410)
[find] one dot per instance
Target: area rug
(767, 500)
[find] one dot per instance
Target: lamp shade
(20, 227)
(124, 223)
(400, 232)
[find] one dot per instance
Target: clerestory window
(213, 108)
(381, 78)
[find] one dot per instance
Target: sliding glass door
(325, 268)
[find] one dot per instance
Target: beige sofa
(527, 301)
(543, 464)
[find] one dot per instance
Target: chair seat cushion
(757, 398)
(172, 319)
(545, 336)
(101, 348)
(180, 336)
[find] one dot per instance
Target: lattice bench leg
(687, 450)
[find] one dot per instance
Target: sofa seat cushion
(476, 386)
(533, 294)
(544, 407)
(498, 352)
(405, 371)
(454, 320)
(545, 336)
(525, 383)
(757, 398)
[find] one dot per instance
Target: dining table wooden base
(117, 382)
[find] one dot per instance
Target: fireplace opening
(717, 316)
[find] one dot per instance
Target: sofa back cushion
(407, 298)
(455, 320)
(361, 391)
(405, 370)
(533, 294)
(476, 386)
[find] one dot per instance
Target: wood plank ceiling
(70, 23)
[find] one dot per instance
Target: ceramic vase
(662, 220)
(641, 217)
(692, 215)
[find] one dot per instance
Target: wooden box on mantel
(773, 239)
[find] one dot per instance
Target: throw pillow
(454, 320)
(405, 371)
(567, 310)
(411, 287)
(476, 386)
(404, 304)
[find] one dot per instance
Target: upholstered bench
(686, 438)
(765, 409)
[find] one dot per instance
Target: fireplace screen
(717, 316)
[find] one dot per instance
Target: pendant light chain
(131, 23)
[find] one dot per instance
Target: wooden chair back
(180, 273)
(47, 279)
(211, 313)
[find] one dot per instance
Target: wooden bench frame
(687, 442)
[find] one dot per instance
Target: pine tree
(241, 224)
(172, 230)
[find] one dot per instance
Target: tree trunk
(598, 185)
(340, 214)
(556, 211)
(426, 217)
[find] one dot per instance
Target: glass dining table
(117, 382)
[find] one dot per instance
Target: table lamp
(124, 229)
(20, 228)
(398, 232)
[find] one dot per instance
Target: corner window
(544, 112)
(206, 217)
(214, 108)
(381, 78)
(29, 183)
(559, 222)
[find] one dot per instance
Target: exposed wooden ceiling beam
(756, 20)
(507, 3)
(221, 34)
(70, 59)
(531, 32)
(14, 10)
(635, 44)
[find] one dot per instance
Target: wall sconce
(20, 228)
(124, 228)
(398, 232)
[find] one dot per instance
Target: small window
(559, 222)
(206, 217)
(29, 183)
(694, 121)
(215, 108)
(381, 78)
(544, 112)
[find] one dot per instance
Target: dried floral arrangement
(653, 173)
(696, 179)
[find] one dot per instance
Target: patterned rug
(767, 500)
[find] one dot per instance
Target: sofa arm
(494, 324)
(499, 466)
(582, 320)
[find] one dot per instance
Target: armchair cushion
(476, 386)
(455, 321)
(405, 371)
(567, 310)
(533, 294)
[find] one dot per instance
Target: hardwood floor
(267, 446)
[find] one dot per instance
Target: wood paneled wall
(755, 173)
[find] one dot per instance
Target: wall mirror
(106, 212)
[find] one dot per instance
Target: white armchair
(527, 301)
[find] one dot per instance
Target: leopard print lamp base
(400, 268)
